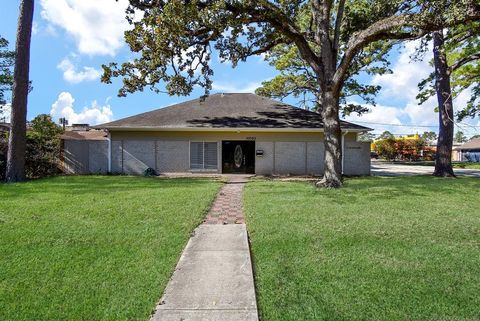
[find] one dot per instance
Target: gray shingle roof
(471, 144)
(227, 111)
(84, 135)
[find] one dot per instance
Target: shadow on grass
(364, 189)
(102, 184)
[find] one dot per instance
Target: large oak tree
(174, 40)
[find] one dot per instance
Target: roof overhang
(229, 129)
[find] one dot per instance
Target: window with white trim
(203, 155)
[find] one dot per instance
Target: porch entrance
(238, 156)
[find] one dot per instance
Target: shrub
(42, 149)
(387, 148)
(3, 157)
(149, 172)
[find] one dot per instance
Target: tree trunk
(332, 141)
(17, 137)
(443, 159)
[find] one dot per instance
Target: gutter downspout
(109, 152)
(343, 148)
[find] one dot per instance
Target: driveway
(380, 168)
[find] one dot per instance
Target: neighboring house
(84, 150)
(470, 151)
(228, 133)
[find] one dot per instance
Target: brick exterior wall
(315, 155)
(172, 156)
(138, 155)
(356, 159)
(264, 164)
(284, 153)
(85, 157)
(290, 158)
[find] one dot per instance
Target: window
(203, 155)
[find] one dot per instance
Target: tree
(174, 40)
(43, 147)
(456, 61)
(6, 78)
(443, 158)
(429, 136)
(460, 137)
(366, 137)
(464, 56)
(474, 137)
(17, 137)
(386, 134)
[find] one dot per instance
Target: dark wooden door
(238, 156)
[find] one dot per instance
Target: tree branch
(338, 24)
(399, 27)
(463, 61)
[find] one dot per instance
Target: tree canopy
(460, 137)
(462, 49)
(429, 136)
(174, 39)
(7, 61)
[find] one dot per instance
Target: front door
(238, 156)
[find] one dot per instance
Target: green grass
(466, 165)
(93, 248)
(379, 249)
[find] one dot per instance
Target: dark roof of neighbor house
(84, 135)
(471, 144)
(227, 111)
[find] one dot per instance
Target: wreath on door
(238, 156)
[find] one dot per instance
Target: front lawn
(93, 248)
(469, 165)
(389, 249)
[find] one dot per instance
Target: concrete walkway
(214, 280)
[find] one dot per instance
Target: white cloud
(402, 83)
(34, 28)
(379, 115)
(5, 113)
(402, 86)
(96, 26)
(73, 76)
(235, 88)
(94, 114)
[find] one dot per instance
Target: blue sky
(73, 38)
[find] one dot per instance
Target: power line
(398, 125)
(411, 125)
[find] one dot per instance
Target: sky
(72, 38)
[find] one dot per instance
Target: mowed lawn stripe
(378, 249)
(93, 247)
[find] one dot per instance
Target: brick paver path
(227, 208)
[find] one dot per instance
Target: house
(84, 150)
(226, 133)
(470, 151)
